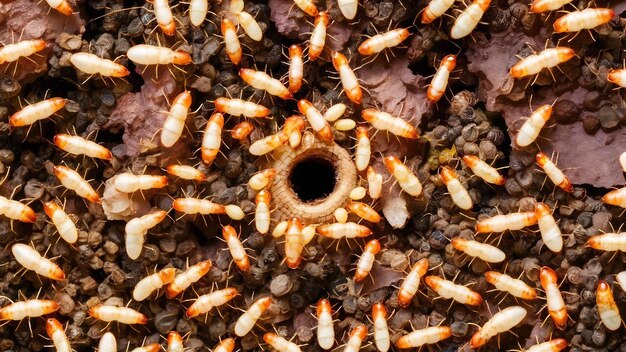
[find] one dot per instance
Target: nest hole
(313, 178)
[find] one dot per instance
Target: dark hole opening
(313, 178)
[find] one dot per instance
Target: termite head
(547, 277)
(263, 197)
(50, 208)
(40, 44)
(372, 246)
(183, 98)
(614, 197)
(323, 307)
(28, 215)
(379, 311)
(459, 243)
(304, 106)
(360, 331)
(362, 132)
(542, 210)
(228, 344)
(293, 123)
(392, 162)
(264, 302)
(322, 18)
(615, 76)
(542, 159)
(545, 111)
(242, 130)
(227, 25)
(471, 160)
(181, 58)
(295, 51)
(269, 338)
(492, 276)
(228, 232)
(449, 61)
(603, 289)
(565, 53)
(339, 60)
(52, 326)
(447, 174)
(174, 338)
(167, 275)
(484, 4)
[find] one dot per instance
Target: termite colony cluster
(270, 233)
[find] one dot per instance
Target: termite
(484, 251)
(515, 287)
(386, 122)
(296, 68)
(316, 120)
(56, 333)
(231, 41)
(438, 85)
(28, 309)
(93, 65)
(381, 330)
(448, 289)
(107, 343)
(188, 277)
(250, 26)
(325, 329)
(63, 6)
(556, 305)
(294, 243)
(357, 336)
(64, 225)
(71, 179)
(198, 10)
(212, 139)
(609, 242)
(193, 206)
(382, 41)
(547, 58)
(374, 183)
(175, 342)
(459, 194)
(144, 54)
(411, 282)
(363, 149)
(236, 248)
(293, 127)
(36, 112)
(238, 107)
(483, 170)
(405, 177)
(308, 6)
(365, 263)
(205, 303)
(130, 183)
(618, 76)
(616, 197)
(550, 232)
(153, 347)
(348, 230)
(500, 322)
(79, 146)
(469, 19)
(30, 259)
(164, 17)
(318, 36)
(15, 210)
(421, 337)
(262, 81)
(186, 172)
(555, 345)
(279, 343)
(248, 319)
(262, 218)
(365, 212)
(242, 130)
(511, 222)
(348, 79)
(24, 48)
(227, 345)
(175, 120)
(123, 315)
(539, 6)
(268, 144)
(609, 313)
(556, 176)
(589, 18)
(262, 179)
(435, 9)
(151, 283)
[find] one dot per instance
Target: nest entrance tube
(313, 178)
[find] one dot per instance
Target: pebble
(281, 285)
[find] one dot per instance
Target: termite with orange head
(318, 36)
(263, 81)
(483, 170)
(31, 308)
(609, 242)
(129, 183)
(448, 289)
(405, 177)
(30, 259)
(212, 139)
(435, 9)
(348, 230)
(262, 217)
(438, 85)
(294, 243)
(188, 277)
(248, 319)
(186, 172)
(576, 21)
(268, 144)
(279, 343)
(175, 120)
(555, 345)
(325, 329)
(71, 179)
(484, 251)
(350, 83)
(79, 146)
(548, 58)
(469, 19)
(515, 287)
(123, 315)
(151, 283)
(107, 343)
(231, 41)
(556, 176)
(226, 345)
(56, 333)
(144, 54)
(250, 26)
(236, 248)
(366, 262)
(198, 10)
(205, 303)
(192, 206)
(381, 330)
(618, 76)
(24, 48)
(65, 226)
(556, 305)
(459, 194)
(36, 112)
(357, 336)
(426, 336)
(550, 232)
(262, 179)
(365, 212)
(293, 127)
(93, 65)
(308, 6)
(316, 120)
(296, 68)
(242, 130)
(411, 283)
(238, 107)
(609, 313)
(616, 197)
(386, 122)
(539, 6)
(511, 222)
(175, 342)
(500, 322)
(164, 17)
(374, 183)
(15, 210)
(362, 149)
(382, 41)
